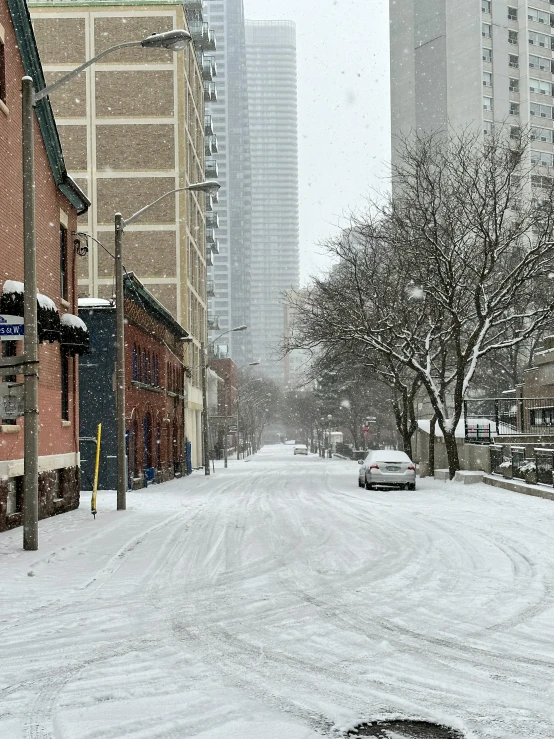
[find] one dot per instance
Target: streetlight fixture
(120, 224)
(174, 40)
(205, 430)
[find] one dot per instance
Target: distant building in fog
(272, 106)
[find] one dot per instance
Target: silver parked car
(388, 468)
(300, 449)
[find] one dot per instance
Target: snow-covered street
(277, 600)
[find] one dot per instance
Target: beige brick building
(133, 128)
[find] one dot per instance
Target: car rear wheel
(411, 486)
(368, 485)
(360, 483)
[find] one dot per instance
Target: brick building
(134, 128)
(58, 202)
(155, 378)
(223, 415)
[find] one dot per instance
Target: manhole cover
(405, 730)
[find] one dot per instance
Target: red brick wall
(55, 438)
(228, 371)
(146, 334)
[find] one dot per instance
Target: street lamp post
(120, 224)
(174, 40)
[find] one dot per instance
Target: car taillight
(374, 467)
(411, 467)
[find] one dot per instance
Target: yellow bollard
(96, 466)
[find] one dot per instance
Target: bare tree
(449, 269)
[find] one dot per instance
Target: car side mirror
(360, 461)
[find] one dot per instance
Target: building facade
(62, 337)
(473, 63)
(134, 129)
(154, 397)
(272, 110)
(228, 108)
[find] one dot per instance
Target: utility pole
(205, 432)
(31, 426)
(120, 365)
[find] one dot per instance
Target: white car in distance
(300, 449)
(388, 468)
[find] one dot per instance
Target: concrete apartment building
(133, 127)
(484, 63)
(272, 111)
(228, 108)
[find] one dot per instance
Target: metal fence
(510, 461)
(488, 418)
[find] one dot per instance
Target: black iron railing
(488, 418)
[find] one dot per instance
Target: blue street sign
(11, 328)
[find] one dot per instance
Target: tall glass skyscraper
(228, 107)
(272, 108)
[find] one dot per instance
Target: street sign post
(11, 328)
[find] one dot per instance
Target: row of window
(546, 135)
(533, 14)
(535, 109)
(535, 38)
(146, 369)
(539, 87)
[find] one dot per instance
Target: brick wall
(56, 437)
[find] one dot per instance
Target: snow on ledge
(68, 319)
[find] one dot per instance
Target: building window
(512, 13)
(486, 30)
(487, 55)
(487, 79)
(543, 134)
(542, 158)
(512, 37)
(135, 363)
(488, 127)
(514, 85)
(538, 39)
(543, 111)
(64, 291)
(486, 6)
(65, 386)
(487, 103)
(156, 371)
(540, 87)
(57, 488)
(513, 61)
(514, 108)
(538, 16)
(2, 70)
(515, 132)
(15, 495)
(539, 62)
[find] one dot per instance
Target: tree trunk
(432, 426)
(451, 452)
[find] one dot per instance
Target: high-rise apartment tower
(486, 62)
(227, 106)
(272, 105)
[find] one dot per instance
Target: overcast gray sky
(343, 106)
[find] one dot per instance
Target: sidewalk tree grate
(400, 729)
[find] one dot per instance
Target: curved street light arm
(135, 216)
(66, 77)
